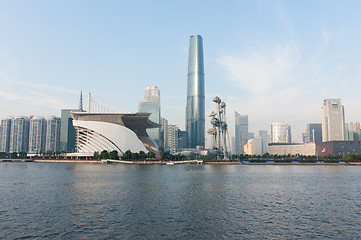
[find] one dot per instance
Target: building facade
(53, 126)
(305, 149)
(151, 104)
(164, 133)
(333, 120)
(241, 132)
(173, 138)
(119, 132)
(5, 129)
(280, 133)
(195, 110)
(19, 134)
(253, 146)
(352, 131)
(338, 148)
(264, 135)
(37, 135)
(313, 133)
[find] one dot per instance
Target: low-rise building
(338, 148)
(306, 149)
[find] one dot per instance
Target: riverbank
(164, 162)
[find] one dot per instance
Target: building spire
(81, 101)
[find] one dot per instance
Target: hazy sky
(273, 60)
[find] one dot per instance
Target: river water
(91, 201)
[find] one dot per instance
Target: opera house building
(113, 131)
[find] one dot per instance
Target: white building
(19, 134)
(333, 120)
(53, 134)
(253, 146)
(280, 133)
(306, 149)
(113, 132)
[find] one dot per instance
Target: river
(115, 201)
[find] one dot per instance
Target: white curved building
(113, 131)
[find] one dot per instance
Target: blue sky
(273, 60)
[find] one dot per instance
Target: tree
(96, 155)
(151, 154)
(113, 155)
(127, 155)
(104, 154)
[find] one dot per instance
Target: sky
(275, 61)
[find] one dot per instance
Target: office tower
(195, 111)
(313, 133)
(37, 135)
(280, 133)
(19, 134)
(264, 135)
(53, 125)
(151, 104)
(173, 138)
(182, 140)
(250, 135)
(5, 128)
(233, 146)
(164, 132)
(333, 120)
(67, 130)
(352, 131)
(241, 132)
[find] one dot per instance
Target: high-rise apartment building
(151, 104)
(53, 126)
(5, 128)
(313, 133)
(333, 120)
(241, 132)
(19, 134)
(195, 111)
(37, 135)
(164, 132)
(280, 133)
(173, 138)
(264, 135)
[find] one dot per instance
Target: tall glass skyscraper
(195, 111)
(151, 104)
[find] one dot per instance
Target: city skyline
(257, 55)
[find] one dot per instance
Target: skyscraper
(195, 111)
(37, 135)
(333, 120)
(280, 133)
(313, 133)
(241, 132)
(151, 104)
(264, 135)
